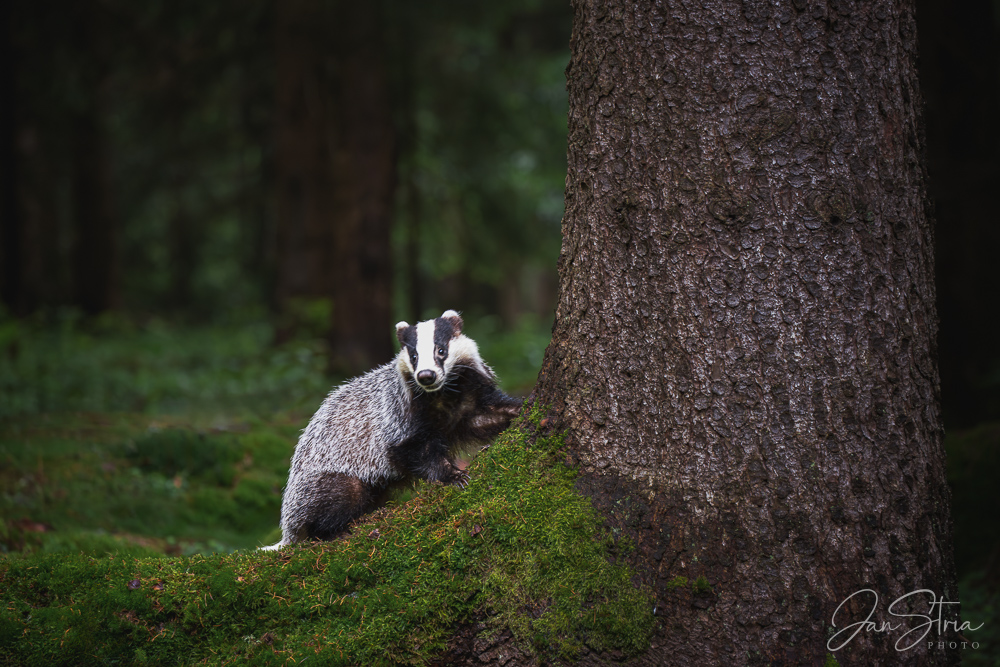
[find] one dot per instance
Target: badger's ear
(400, 328)
(455, 319)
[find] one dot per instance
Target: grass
(141, 466)
(61, 364)
(89, 482)
(155, 456)
(519, 542)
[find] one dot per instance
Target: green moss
(103, 483)
(178, 451)
(64, 364)
(701, 585)
(831, 661)
(519, 546)
(677, 582)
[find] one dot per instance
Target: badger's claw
(460, 479)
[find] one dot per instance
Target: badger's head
(431, 349)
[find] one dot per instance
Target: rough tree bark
(335, 159)
(744, 347)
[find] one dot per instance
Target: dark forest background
(327, 167)
(332, 169)
(225, 203)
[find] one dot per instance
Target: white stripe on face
(464, 350)
(425, 348)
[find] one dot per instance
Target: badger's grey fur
(399, 421)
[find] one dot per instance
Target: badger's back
(355, 426)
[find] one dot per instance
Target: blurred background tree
(330, 169)
(329, 166)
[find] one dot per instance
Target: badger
(400, 421)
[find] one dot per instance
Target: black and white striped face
(430, 349)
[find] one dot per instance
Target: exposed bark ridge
(744, 351)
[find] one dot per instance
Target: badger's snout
(426, 378)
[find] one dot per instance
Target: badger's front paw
(458, 478)
(511, 411)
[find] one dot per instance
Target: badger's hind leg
(333, 500)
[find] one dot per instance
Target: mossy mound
(519, 544)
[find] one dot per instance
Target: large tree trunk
(743, 354)
(336, 174)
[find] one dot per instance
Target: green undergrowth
(515, 354)
(62, 363)
(99, 483)
(981, 608)
(973, 469)
(519, 548)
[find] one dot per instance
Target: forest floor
(166, 439)
(178, 485)
(132, 540)
(141, 468)
(166, 443)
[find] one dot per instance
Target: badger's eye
(442, 351)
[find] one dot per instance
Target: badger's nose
(426, 378)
